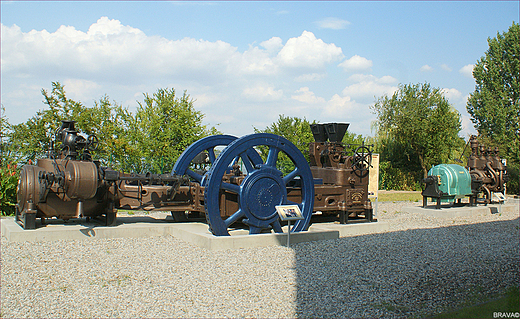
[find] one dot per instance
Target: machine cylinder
(28, 186)
(81, 179)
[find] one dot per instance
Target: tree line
(416, 127)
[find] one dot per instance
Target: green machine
(446, 182)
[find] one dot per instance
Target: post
(288, 233)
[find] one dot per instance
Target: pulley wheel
(263, 188)
(207, 145)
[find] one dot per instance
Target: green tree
(9, 172)
(494, 106)
(295, 129)
(31, 139)
(151, 140)
(419, 121)
(165, 126)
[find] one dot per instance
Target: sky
(246, 63)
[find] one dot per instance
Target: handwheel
(263, 188)
(92, 142)
(362, 160)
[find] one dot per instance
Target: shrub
(9, 175)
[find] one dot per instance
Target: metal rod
(288, 233)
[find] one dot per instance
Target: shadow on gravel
(410, 273)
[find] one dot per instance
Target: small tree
(419, 120)
(165, 126)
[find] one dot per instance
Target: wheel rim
(263, 188)
(208, 144)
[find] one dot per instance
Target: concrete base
(193, 232)
(450, 211)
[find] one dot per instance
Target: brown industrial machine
(236, 185)
(488, 172)
(341, 174)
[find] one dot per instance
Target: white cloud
(426, 68)
(366, 87)
(307, 96)
(310, 77)
(272, 45)
(445, 67)
(339, 107)
(306, 51)
(253, 61)
(452, 94)
(262, 93)
(356, 63)
(467, 70)
(123, 62)
(108, 45)
(81, 90)
(332, 23)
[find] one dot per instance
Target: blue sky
(246, 62)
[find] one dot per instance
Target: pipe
(495, 179)
(488, 194)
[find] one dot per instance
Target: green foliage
(398, 178)
(9, 175)
(296, 130)
(166, 126)
(417, 127)
(494, 106)
(151, 140)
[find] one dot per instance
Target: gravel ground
(423, 265)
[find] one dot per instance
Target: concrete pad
(198, 234)
(80, 229)
(354, 229)
(138, 226)
(449, 211)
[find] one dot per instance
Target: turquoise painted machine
(447, 182)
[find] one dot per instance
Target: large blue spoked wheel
(263, 188)
(204, 149)
(206, 144)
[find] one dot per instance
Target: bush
(397, 179)
(9, 175)
(514, 177)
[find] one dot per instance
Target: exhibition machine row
(228, 181)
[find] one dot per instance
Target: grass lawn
(507, 305)
(384, 196)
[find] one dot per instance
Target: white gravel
(422, 266)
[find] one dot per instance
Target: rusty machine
(230, 185)
(485, 174)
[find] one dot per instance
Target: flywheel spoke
(272, 157)
(289, 177)
(233, 218)
(211, 154)
(277, 227)
(247, 162)
(230, 187)
(194, 175)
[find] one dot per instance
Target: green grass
(508, 303)
(401, 196)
